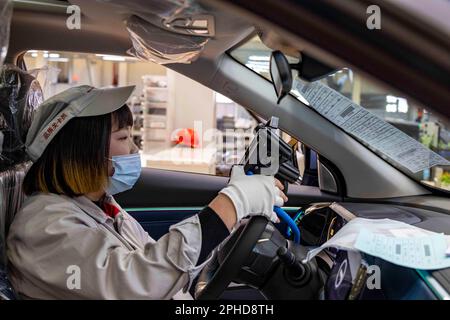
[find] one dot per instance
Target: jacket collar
(86, 204)
(90, 208)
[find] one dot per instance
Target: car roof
(44, 27)
(409, 54)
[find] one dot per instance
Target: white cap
(81, 101)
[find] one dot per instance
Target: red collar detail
(110, 210)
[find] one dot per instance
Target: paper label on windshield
(369, 128)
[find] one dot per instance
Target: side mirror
(281, 75)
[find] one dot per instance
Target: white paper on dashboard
(345, 238)
(447, 252)
(369, 128)
(421, 252)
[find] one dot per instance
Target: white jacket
(53, 237)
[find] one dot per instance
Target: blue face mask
(127, 169)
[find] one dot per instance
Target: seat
(20, 95)
(11, 198)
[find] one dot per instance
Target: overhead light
(391, 99)
(53, 55)
(391, 107)
(113, 58)
(34, 54)
(402, 105)
(259, 58)
(59, 59)
(396, 104)
(108, 57)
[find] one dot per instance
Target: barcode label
(347, 111)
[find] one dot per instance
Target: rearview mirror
(308, 69)
(281, 75)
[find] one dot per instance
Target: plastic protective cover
(5, 20)
(151, 37)
(11, 199)
(20, 95)
(161, 46)
(164, 9)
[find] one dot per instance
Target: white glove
(253, 195)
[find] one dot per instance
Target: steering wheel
(228, 259)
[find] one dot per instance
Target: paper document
(369, 128)
(394, 241)
(426, 252)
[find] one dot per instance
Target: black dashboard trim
(406, 202)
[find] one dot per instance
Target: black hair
(75, 161)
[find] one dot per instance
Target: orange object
(186, 136)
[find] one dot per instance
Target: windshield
(405, 134)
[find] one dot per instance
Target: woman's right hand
(251, 195)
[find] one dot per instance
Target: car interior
(339, 168)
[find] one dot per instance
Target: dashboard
(319, 223)
(333, 274)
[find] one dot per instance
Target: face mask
(127, 169)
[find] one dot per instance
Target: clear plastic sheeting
(165, 9)
(160, 46)
(20, 95)
(47, 77)
(165, 31)
(11, 199)
(5, 20)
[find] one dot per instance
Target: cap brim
(107, 100)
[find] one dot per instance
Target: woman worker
(82, 152)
